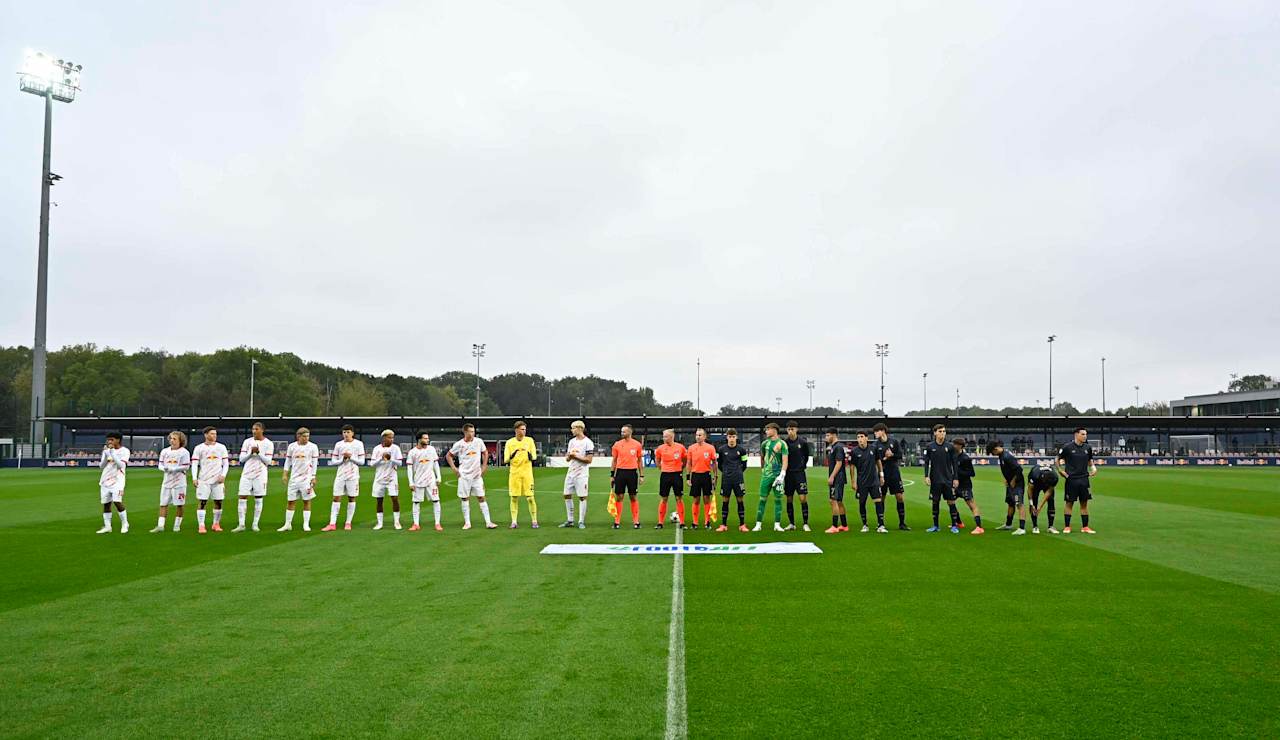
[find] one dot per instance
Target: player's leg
(104, 496)
(1084, 496)
(477, 486)
(352, 492)
(291, 494)
(1051, 503)
(950, 498)
(307, 495)
(217, 494)
(1009, 508)
(977, 513)
(433, 493)
(580, 489)
(862, 507)
(802, 495)
(417, 494)
(568, 503)
(1020, 502)
(1069, 499)
(202, 501)
(464, 497)
(394, 494)
(935, 498)
(259, 502)
(879, 502)
(165, 496)
(664, 490)
(740, 493)
(834, 494)
(379, 493)
(766, 486)
(899, 494)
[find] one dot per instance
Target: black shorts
(942, 490)
(1077, 490)
(870, 492)
(965, 493)
(892, 483)
(669, 483)
(1015, 496)
(835, 491)
(795, 483)
(700, 484)
(732, 485)
(626, 481)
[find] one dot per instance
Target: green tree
(358, 397)
(1257, 382)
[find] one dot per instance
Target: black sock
(835, 520)
(1051, 512)
(1066, 519)
(791, 512)
(1035, 520)
(935, 513)
(1084, 520)
(977, 521)
(955, 515)
(1022, 524)
(804, 511)
(742, 512)
(844, 520)
(1008, 519)
(724, 512)
(902, 512)
(880, 513)
(862, 510)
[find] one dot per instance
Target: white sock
(435, 507)
(306, 518)
(288, 517)
(217, 516)
(417, 513)
(351, 511)
(257, 509)
(466, 512)
(395, 516)
(333, 513)
(379, 518)
(484, 509)
(568, 508)
(582, 509)
(242, 505)
(124, 517)
(106, 519)
(160, 523)
(200, 516)
(177, 524)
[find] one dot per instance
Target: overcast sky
(618, 188)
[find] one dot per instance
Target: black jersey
(964, 471)
(1043, 478)
(837, 455)
(797, 455)
(891, 461)
(1011, 470)
(864, 460)
(732, 461)
(1076, 459)
(940, 462)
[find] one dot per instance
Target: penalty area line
(677, 727)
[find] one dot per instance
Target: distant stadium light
(44, 75)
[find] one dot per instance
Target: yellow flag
(613, 505)
(715, 507)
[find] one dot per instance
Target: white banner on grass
(762, 548)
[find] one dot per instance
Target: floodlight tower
(477, 351)
(882, 351)
(52, 79)
(1052, 339)
(810, 385)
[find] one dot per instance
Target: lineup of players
(871, 466)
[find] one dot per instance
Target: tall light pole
(697, 403)
(1104, 386)
(253, 366)
(810, 385)
(778, 400)
(1052, 337)
(580, 406)
(477, 351)
(882, 351)
(957, 402)
(1136, 404)
(924, 391)
(52, 79)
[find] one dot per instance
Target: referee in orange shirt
(626, 474)
(703, 460)
(673, 462)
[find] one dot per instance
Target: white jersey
(113, 464)
(384, 471)
(255, 466)
(348, 469)
(422, 467)
(209, 463)
(301, 461)
(582, 448)
(468, 456)
(175, 464)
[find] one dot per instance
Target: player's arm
(484, 462)
(226, 465)
(448, 457)
(244, 451)
(288, 465)
(359, 456)
(1093, 469)
(195, 466)
(926, 464)
(533, 450)
(1061, 463)
(831, 479)
(954, 460)
(507, 451)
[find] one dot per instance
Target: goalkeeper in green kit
(773, 470)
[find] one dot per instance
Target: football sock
(106, 519)
(902, 512)
(333, 514)
(742, 511)
(466, 512)
(977, 520)
(484, 509)
(1084, 520)
(835, 520)
(395, 517)
(680, 509)
(635, 510)
(1035, 520)
(1051, 512)
(617, 510)
(124, 517)
(582, 508)
(160, 523)
(351, 511)
(568, 508)
(177, 524)
(417, 513)
(1022, 524)
(257, 510)
(844, 520)
(935, 513)
(804, 511)
(242, 505)
(862, 510)
(662, 511)
(515, 509)
(306, 518)
(880, 513)
(764, 499)
(955, 515)
(435, 509)
(217, 516)
(777, 507)
(1008, 518)
(1066, 519)
(379, 517)
(697, 510)
(791, 512)
(288, 517)
(199, 517)
(724, 510)
(533, 508)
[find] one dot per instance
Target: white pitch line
(677, 708)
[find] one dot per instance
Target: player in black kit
(732, 461)
(796, 482)
(1075, 462)
(1041, 479)
(940, 475)
(1015, 487)
(890, 452)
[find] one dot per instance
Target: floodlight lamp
(45, 76)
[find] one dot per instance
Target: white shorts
(386, 489)
(576, 483)
(250, 487)
(175, 496)
(111, 495)
(215, 491)
(300, 490)
(467, 486)
(420, 493)
(346, 487)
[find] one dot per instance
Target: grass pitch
(1164, 624)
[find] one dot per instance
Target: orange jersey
(671, 457)
(628, 454)
(701, 455)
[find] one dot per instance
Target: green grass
(1164, 624)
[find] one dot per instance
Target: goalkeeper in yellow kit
(520, 453)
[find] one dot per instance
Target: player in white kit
(581, 451)
(175, 461)
(469, 458)
(255, 458)
(209, 464)
(114, 462)
(300, 464)
(423, 468)
(348, 455)
(385, 460)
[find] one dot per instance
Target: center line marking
(677, 719)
